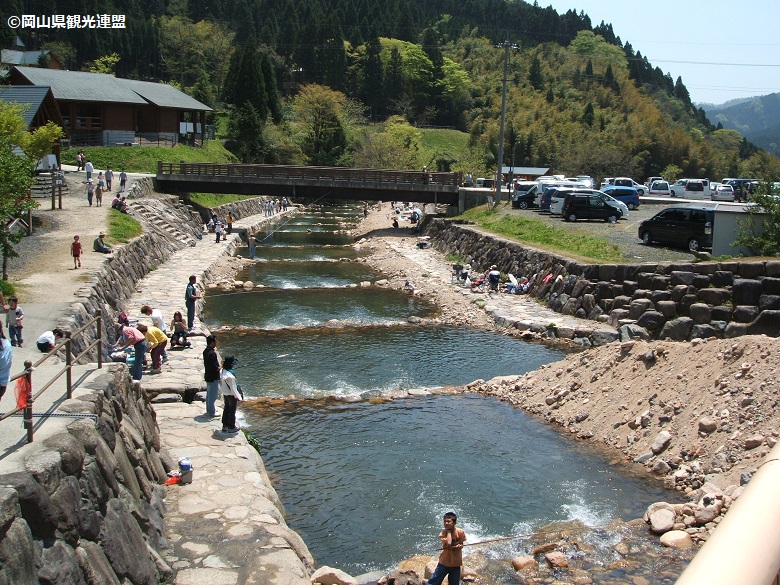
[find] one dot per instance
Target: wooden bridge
(309, 182)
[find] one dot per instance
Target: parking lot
(623, 233)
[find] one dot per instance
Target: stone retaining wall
(85, 505)
(115, 280)
(677, 301)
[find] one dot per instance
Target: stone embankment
(648, 301)
(84, 503)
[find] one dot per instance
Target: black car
(689, 227)
(743, 188)
(589, 205)
(524, 195)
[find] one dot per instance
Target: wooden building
(100, 109)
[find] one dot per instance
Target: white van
(691, 189)
(556, 203)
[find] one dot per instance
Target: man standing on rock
(190, 298)
(212, 374)
(451, 557)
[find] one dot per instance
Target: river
(365, 483)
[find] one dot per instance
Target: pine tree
(535, 74)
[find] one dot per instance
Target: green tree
(535, 74)
(41, 141)
(104, 64)
(760, 232)
(15, 178)
(319, 112)
(245, 131)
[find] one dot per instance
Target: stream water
(365, 484)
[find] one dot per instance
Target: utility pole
(506, 45)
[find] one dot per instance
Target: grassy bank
(545, 237)
(217, 199)
(143, 159)
(122, 228)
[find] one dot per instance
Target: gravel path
(43, 272)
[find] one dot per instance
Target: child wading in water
(75, 250)
(451, 557)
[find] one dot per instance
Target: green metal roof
(101, 87)
(82, 86)
(164, 95)
(26, 95)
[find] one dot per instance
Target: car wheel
(523, 205)
(647, 238)
(640, 192)
(571, 217)
(612, 219)
(694, 245)
(631, 206)
(671, 194)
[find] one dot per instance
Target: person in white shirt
(231, 393)
(157, 321)
(49, 339)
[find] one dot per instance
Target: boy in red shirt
(451, 557)
(75, 250)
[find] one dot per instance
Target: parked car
(546, 202)
(684, 226)
(485, 183)
(659, 188)
(629, 182)
(724, 193)
(587, 180)
(588, 204)
(607, 181)
(691, 189)
(651, 180)
(742, 188)
(524, 195)
(628, 195)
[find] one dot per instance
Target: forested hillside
(350, 82)
(757, 119)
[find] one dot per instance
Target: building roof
(26, 95)
(81, 85)
(531, 171)
(101, 87)
(13, 57)
(164, 95)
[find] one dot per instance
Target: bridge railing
(292, 172)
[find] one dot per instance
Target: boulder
(707, 424)
(754, 441)
(661, 442)
(59, 564)
(17, 554)
(678, 539)
(36, 506)
(556, 559)
(523, 563)
(94, 564)
(330, 576)
(399, 577)
(651, 320)
(677, 329)
(661, 520)
(123, 543)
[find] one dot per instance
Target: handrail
(308, 173)
(29, 367)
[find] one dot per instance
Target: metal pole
(506, 46)
(100, 338)
(28, 410)
(69, 365)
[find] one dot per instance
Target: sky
(723, 50)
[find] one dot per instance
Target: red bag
(23, 390)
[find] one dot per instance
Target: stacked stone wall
(85, 504)
(679, 301)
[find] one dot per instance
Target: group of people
(154, 337)
(94, 188)
(492, 279)
(273, 206)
